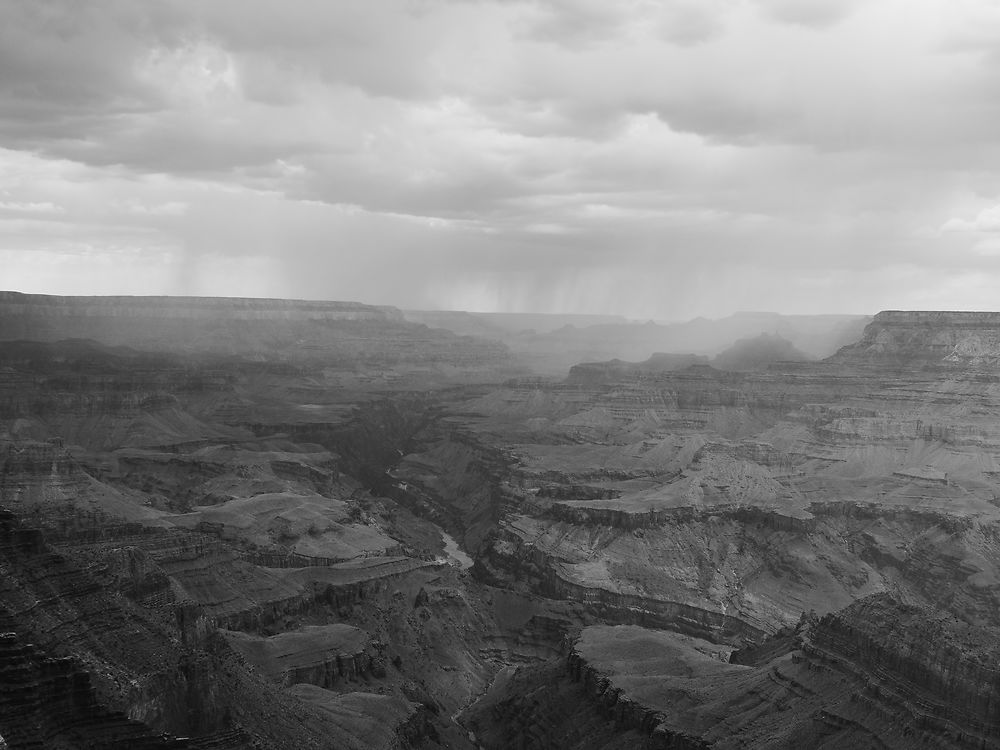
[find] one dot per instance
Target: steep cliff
(877, 674)
(321, 655)
(928, 337)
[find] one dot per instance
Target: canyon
(235, 523)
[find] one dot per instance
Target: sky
(655, 159)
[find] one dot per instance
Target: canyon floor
(277, 524)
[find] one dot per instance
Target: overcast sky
(657, 159)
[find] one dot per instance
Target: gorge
(234, 523)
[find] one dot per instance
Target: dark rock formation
(321, 655)
(758, 353)
(49, 702)
(943, 672)
(833, 683)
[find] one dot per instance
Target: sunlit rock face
(359, 532)
(954, 338)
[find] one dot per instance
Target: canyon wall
(938, 337)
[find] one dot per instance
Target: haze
(654, 160)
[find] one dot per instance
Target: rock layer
(841, 685)
(947, 338)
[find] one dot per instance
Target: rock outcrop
(321, 655)
(833, 683)
(758, 353)
(944, 673)
(928, 337)
(49, 702)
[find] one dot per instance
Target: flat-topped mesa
(938, 317)
(16, 304)
(933, 337)
(296, 332)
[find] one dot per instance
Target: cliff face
(944, 672)
(48, 701)
(947, 338)
(83, 659)
(877, 674)
(321, 655)
(96, 652)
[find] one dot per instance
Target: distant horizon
(593, 313)
(627, 319)
(633, 320)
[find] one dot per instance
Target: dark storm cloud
(549, 153)
(576, 23)
(691, 23)
(386, 49)
(809, 13)
(63, 58)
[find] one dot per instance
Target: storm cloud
(658, 160)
